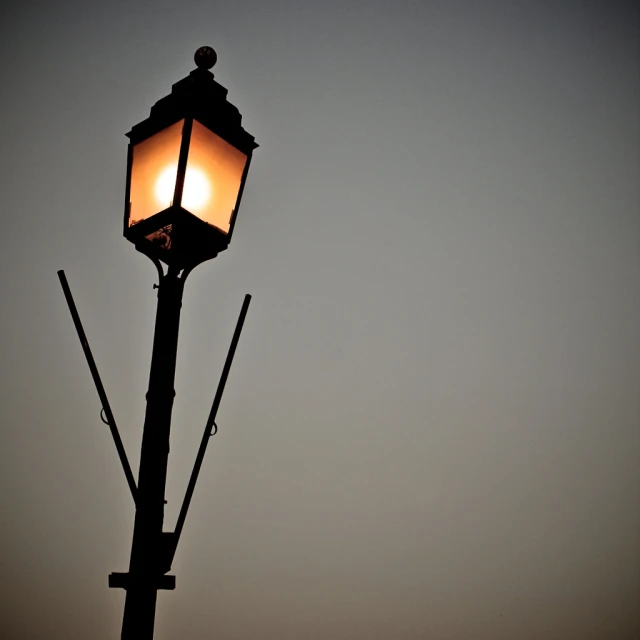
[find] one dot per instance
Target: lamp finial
(205, 57)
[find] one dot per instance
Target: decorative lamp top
(205, 57)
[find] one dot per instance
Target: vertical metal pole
(148, 551)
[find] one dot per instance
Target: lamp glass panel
(213, 177)
(153, 173)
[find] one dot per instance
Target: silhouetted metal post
(149, 551)
(186, 171)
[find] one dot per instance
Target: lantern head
(186, 171)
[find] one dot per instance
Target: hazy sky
(432, 426)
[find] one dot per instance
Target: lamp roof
(198, 96)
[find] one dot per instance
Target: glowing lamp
(187, 167)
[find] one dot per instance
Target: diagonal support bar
(210, 424)
(110, 420)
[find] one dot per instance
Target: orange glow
(223, 166)
(196, 192)
(212, 181)
(150, 158)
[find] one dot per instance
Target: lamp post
(187, 166)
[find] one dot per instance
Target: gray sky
(432, 426)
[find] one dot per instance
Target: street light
(187, 167)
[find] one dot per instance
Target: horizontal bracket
(127, 581)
